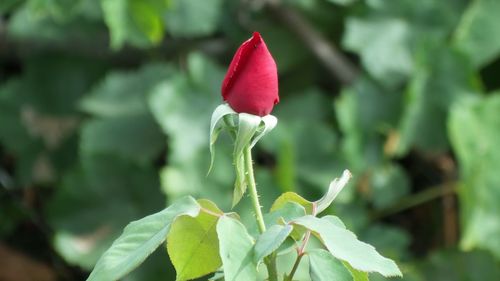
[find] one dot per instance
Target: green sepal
(269, 122)
(219, 113)
(240, 185)
(250, 129)
(248, 125)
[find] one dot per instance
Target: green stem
(247, 154)
(250, 180)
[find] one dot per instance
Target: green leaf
(286, 48)
(304, 144)
(345, 246)
(452, 265)
(217, 276)
(8, 5)
(365, 111)
(389, 183)
(343, 2)
(286, 212)
(389, 240)
(334, 220)
(60, 11)
(155, 268)
(324, 267)
(85, 220)
(183, 105)
(190, 18)
(292, 197)
(39, 118)
(477, 32)
(270, 240)
(123, 93)
(192, 243)
(442, 77)
(474, 131)
(138, 240)
(78, 23)
(356, 274)
(333, 190)
(123, 136)
(138, 22)
(236, 250)
(377, 40)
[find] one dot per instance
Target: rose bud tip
(251, 82)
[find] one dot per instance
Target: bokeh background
(105, 108)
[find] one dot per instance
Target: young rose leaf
(345, 246)
(192, 243)
(292, 197)
(138, 240)
(289, 211)
(236, 250)
(324, 267)
(270, 240)
(286, 213)
(335, 187)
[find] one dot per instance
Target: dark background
(105, 108)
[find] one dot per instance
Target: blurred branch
(15, 266)
(98, 47)
(38, 221)
(416, 199)
(328, 54)
(450, 213)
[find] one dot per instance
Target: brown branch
(16, 266)
(328, 54)
(416, 199)
(449, 204)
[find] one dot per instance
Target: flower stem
(253, 189)
(250, 180)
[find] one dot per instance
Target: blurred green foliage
(105, 107)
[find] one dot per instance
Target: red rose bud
(251, 82)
